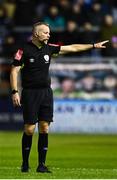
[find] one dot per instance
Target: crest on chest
(46, 58)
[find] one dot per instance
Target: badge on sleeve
(19, 54)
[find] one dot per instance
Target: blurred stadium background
(84, 84)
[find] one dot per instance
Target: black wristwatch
(14, 91)
(93, 45)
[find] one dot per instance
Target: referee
(33, 59)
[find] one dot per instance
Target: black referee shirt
(35, 64)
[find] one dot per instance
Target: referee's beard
(45, 41)
(42, 41)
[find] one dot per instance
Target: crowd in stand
(71, 21)
(91, 85)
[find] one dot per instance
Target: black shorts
(37, 105)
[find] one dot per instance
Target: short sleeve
(18, 58)
(54, 48)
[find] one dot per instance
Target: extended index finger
(103, 42)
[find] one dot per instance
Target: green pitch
(70, 156)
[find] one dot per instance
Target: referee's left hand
(101, 44)
(16, 99)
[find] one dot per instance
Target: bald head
(41, 32)
(39, 25)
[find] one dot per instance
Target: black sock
(42, 147)
(26, 146)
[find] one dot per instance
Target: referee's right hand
(16, 99)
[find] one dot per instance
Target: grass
(70, 156)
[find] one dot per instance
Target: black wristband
(14, 91)
(93, 46)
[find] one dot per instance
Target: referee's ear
(35, 34)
